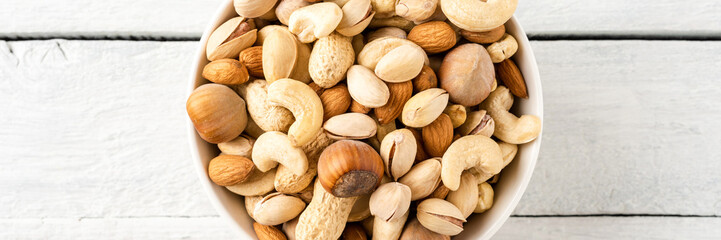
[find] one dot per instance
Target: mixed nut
(348, 118)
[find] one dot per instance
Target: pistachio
(277, 208)
(457, 113)
(230, 38)
(465, 198)
(315, 21)
(478, 123)
(440, 216)
(390, 201)
(366, 88)
(280, 55)
(253, 8)
(400, 64)
(423, 178)
(389, 229)
(374, 51)
(385, 8)
(357, 14)
(287, 7)
(424, 107)
(485, 198)
(350, 126)
(415, 231)
(398, 150)
(250, 202)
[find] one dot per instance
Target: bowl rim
(194, 138)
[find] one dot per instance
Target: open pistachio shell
(225, 42)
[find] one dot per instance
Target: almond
(488, 37)
(400, 93)
(511, 76)
(420, 152)
(336, 100)
(438, 135)
(268, 232)
(359, 108)
(226, 71)
(425, 80)
(252, 58)
(434, 37)
(228, 170)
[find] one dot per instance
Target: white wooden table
(93, 141)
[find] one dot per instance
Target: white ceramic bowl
(508, 190)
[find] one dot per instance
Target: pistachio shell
(277, 208)
(219, 46)
(253, 8)
(424, 107)
(477, 123)
(390, 201)
(440, 216)
(400, 64)
(280, 54)
(398, 150)
(386, 32)
(357, 14)
(375, 50)
(287, 7)
(350, 126)
(265, 32)
(366, 88)
(423, 178)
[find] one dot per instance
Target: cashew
(266, 116)
(325, 216)
(274, 147)
(476, 152)
(288, 182)
(466, 197)
(509, 128)
(315, 21)
(509, 152)
(503, 49)
(305, 105)
(485, 197)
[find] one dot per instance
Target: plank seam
(617, 215)
(532, 37)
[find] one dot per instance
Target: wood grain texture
(629, 128)
(96, 129)
(610, 228)
(116, 228)
(168, 19)
(621, 17)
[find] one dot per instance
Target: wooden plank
(116, 228)
(610, 228)
(98, 129)
(166, 18)
(629, 128)
(621, 17)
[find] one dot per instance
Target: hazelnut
(349, 168)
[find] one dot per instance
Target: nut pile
(356, 118)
